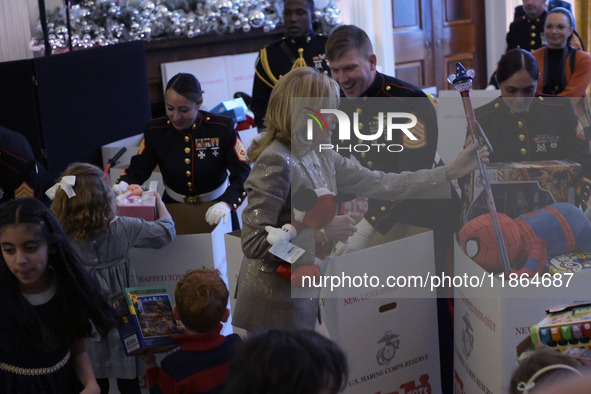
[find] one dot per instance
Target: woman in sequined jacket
(286, 161)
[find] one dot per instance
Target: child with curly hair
(85, 205)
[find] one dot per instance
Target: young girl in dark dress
(48, 303)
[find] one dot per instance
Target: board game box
(148, 318)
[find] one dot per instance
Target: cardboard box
(132, 144)
(148, 319)
(220, 76)
(491, 320)
(390, 337)
(522, 187)
(234, 257)
(164, 267)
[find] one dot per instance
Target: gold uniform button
(533, 34)
(532, 42)
(207, 118)
(187, 161)
(497, 105)
(519, 124)
(188, 173)
(523, 151)
(168, 121)
(521, 137)
(373, 218)
(239, 199)
(533, 27)
(363, 154)
(326, 72)
(541, 98)
(187, 150)
(243, 194)
(370, 164)
(235, 206)
(187, 139)
(388, 88)
(359, 110)
(189, 184)
(383, 209)
(361, 126)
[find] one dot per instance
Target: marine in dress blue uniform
(549, 130)
(194, 161)
(416, 154)
(526, 33)
(277, 59)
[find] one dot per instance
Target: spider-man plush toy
(532, 237)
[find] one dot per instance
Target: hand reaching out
(340, 228)
(466, 162)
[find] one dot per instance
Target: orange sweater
(577, 81)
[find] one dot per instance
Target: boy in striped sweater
(201, 363)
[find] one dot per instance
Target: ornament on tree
(107, 22)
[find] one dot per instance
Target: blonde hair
(315, 89)
(92, 208)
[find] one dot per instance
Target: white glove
(358, 241)
(120, 188)
(217, 212)
(287, 232)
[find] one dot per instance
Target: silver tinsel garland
(106, 22)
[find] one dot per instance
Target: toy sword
(462, 81)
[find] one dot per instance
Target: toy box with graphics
(390, 337)
(564, 326)
(148, 319)
(570, 262)
(491, 320)
(521, 187)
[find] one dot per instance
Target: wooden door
(430, 36)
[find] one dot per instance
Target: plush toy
(532, 237)
(311, 209)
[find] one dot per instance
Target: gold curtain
(583, 21)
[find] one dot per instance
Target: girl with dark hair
(195, 151)
(48, 305)
(524, 126)
(86, 209)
